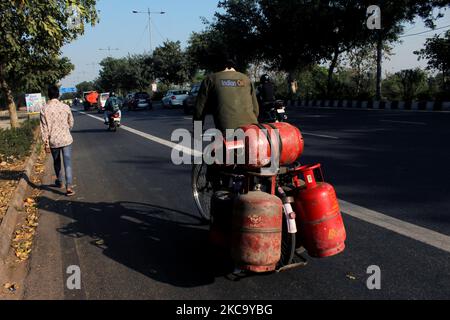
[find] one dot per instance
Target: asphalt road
(134, 232)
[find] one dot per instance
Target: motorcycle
(114, 122)
(274, 112)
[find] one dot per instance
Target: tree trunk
(11, 104)
(333, 65)
(290, 79)
(379, 65)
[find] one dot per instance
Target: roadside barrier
(374, 105)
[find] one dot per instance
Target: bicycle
(206, 180)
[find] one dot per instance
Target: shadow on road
(42, 187)
(166, 245)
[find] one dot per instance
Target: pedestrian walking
(56, 123)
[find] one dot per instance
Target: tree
(203, 49)
(134, 72)
(394, 13)
(437, 52)
(292, 35)
(85, 86)
(406, 84)
(170, 63)
(140, 73)
(46, 73)
(32, 33)
(233, 34)
(112, 74)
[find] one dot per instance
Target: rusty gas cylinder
(257, 227)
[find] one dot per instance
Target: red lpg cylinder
(258, 146)
(256, 236)
(319, 218)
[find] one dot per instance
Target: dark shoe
(58, 184)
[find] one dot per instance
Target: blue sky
(120, 28)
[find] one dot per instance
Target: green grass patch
(16, 143)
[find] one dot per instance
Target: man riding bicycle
(229, 96)
(231, 99)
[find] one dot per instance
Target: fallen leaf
(11, 286)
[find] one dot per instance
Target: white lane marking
(319, 135)
(405, 122)
(406, 229)
(150, 137)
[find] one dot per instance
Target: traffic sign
(68, 90)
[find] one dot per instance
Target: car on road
(139, 100)
(190, 101)
(102, 101)
(175, 98)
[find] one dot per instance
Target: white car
(175, 98)
(102, 101)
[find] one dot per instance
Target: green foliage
(312, 83)
(437, 52)
(293, 35)
(17, 142)
(32, 34)
(170, 63)
(84, 86)
(406, 85)
(132, 73)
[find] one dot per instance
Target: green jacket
(230, 97)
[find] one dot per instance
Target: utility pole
(149, 13)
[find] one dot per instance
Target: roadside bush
(16, 143)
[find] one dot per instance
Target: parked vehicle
(175, 98)
(140, 100)
(102, 101)
(191, 100)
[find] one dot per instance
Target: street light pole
(149, 13)
(150, 28)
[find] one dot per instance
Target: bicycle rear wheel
(202, 190)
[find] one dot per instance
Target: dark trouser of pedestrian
(66, 153)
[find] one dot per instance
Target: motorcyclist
(112, 106)
(266, 93)
(229, 96)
